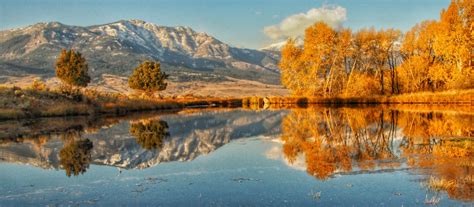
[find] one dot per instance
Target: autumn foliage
(349, 141)
(432, 56)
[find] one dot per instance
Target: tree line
(432, 56)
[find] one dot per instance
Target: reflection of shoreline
(32, 129)
(190, 135)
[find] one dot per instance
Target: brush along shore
(454, 98)
(18, 103)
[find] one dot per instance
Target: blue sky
(239, 23)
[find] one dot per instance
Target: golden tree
(331, 61)
(454, 43)
(419, 59)
(291, 68)
(434, 55)
(438, 54)
(313, 69)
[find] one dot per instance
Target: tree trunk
(381, 82)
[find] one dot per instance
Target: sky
(240, 23)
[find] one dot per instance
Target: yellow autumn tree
(438, 54)
(339, 63)
(291, 68)
(454, 43)
(419, 58)
(432, 56)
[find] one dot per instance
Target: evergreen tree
(72, 68)
(148, 77)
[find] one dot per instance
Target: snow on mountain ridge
(116, 48)
(178, 39)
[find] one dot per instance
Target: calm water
(295, 157)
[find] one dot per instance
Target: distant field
(236, 88)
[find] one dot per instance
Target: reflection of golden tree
(450, 164)
(76, 156)
(441, 143)
(439, 146)
(332, 139)
(150, 134)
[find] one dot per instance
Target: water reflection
(324, 142)
(340, 141)
(135, 142)
(75, 157)
(150, 133)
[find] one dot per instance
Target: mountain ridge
(117, 47)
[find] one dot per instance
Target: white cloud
(295, 25)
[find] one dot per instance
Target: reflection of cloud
(276, 153)
(295, 25)
(299, 163)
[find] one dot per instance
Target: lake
(345, 156)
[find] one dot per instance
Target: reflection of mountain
(322, 141)
(191, 135)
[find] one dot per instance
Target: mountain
(276, 47)
(118, 47)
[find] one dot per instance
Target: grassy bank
(462, 97)
(17, 103)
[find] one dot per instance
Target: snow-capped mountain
(118, 47)
(276, 47)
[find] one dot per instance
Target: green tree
(148, 77)
(72, 68)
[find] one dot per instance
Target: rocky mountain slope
(117, 48)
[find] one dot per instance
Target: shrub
(148, 77)
(72, 69)
(38, 85)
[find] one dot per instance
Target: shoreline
(30, 103)
(453, 98)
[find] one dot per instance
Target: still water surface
(238, 157)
